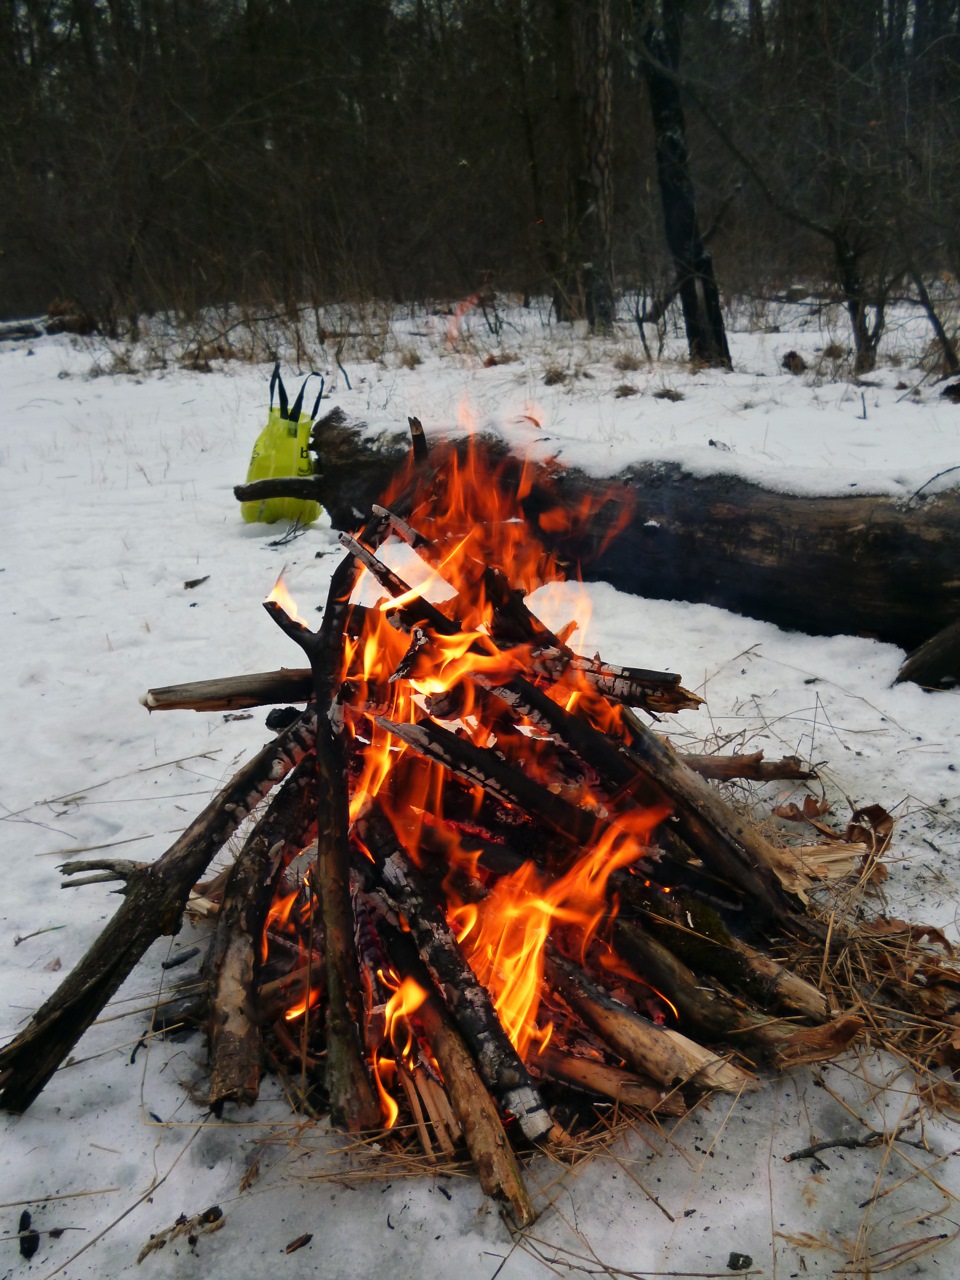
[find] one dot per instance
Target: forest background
(175, 155)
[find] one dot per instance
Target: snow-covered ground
(116, 490)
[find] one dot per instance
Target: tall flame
(479, 517)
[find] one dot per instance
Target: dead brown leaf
(818, 1044)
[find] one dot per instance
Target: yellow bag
(282, 449)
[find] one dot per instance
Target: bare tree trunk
(594, 199)
(699, 296)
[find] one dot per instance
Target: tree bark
(693, 263)
(594, 191)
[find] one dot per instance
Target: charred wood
(235, 1041)
(469, 1002)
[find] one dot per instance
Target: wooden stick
(353, 1103)
(609, 1082)
(709, 825)
(658, 1052)
(235, 1042)
(476, 1111)
(155, 896)
(229, 693)
(468, 1000)
(752, 768)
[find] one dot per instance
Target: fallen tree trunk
(856, 564)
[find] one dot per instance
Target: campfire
(480, 891)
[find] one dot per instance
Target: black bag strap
(316, 404)
(297, 406)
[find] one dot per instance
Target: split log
(469, 1002)
(235, 1039)
(658, 1052)
(475, 1109)
(855, 564)
(155, 897)
(609, 1082)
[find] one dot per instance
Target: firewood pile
(475, 890)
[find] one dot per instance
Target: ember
(485, 892)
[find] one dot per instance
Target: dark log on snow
(857, 564)
(936, 664)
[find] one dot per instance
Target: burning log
(658, 1052)
(352, 1101)
(469, 1002)
(154, 898)
(476, 1111)
(235, 1043)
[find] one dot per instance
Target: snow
(116, 490)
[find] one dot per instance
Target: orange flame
(405, 1001)
(504, 936)
(481, 546)
(281, 596)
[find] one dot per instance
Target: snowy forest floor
(116, 472)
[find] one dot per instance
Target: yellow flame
(281, 596)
